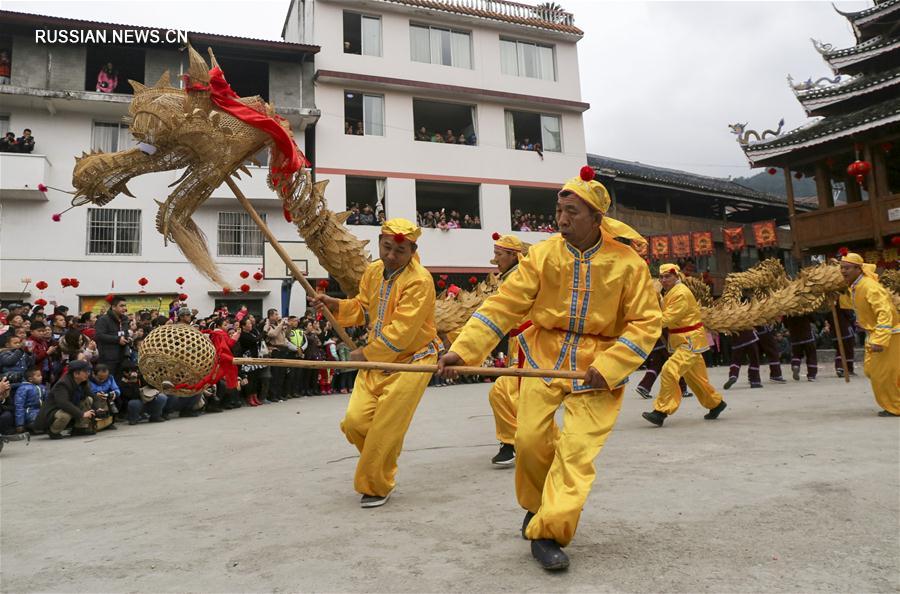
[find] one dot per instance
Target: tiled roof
(503, 10)
(818, 97)
(679, 179)
(878, 9)
(826, 129)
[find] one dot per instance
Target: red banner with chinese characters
(681, 245)
(734, 239)
(703, 243)
(659, 247)
(764, 234)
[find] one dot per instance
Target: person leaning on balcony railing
(107, 79)
(25, 143)
(8, 143)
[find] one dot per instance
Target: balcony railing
(547, 13)
(20, 175)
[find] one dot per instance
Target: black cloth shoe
(884, 413)
(644, 392)
(528, 516)
(731, 381)
(506, 456)
(549, 554)
(53, 435)
(112, 427)
(655, 417)
(687, 394)
(795, 373)
(374, 500)
(715, 412)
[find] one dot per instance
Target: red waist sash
(685, 329)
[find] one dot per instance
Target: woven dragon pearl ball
(176, 353)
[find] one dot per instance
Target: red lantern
(73, 282)
(798, 175)
(322, 285)
(495, 236)
(244, 274)
(41, 285)
(843, 251)
(771, 171)
(245, 288)
(179, 281)
(895, 240)
(143, 281)
(441, 284)
(64, 282)
(109, 298)
(473, 280)
(859, 169)
(226, 290)
(57, 217)
(42, 188)
(182, 297)
(40, 302)
(886, 146)
(257, 276)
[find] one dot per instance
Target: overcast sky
(664, 79)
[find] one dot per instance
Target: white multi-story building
(499, 73)
(52, 91)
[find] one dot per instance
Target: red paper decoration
(182, 297)
(764, 234)
(702, 243)
(245, 288)
(734, 238)
(257, 276)
(73, 282)
(40, 302)
(244, 274)
(179, 281)
(41, 285)
(143, 281)
(859, 170)
(64, 282)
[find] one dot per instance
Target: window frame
(451, 31)
(246, 224)
(363, 95)
(117, 212)
(364, 15)
(122, 129)
(540, 115)
(518, 42)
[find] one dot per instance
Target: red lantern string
(73, 282)
(182, 297)
(64, 282)
(257, 276)
(41, 302)
(179, 281)
(245, 288)
(41, 285)
(244, 274)
(143, 281)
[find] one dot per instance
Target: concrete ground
(794, 489)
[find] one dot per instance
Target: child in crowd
(104, 388)
(28, 399)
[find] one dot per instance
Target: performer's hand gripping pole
(286, 258)
(413, 368)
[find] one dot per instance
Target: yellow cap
(402, 227)
(595, 195)
(510, 242)
(867, 269)
(670, 268)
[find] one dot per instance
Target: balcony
(20, 175)
(842, 224)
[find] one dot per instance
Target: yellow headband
(510, 242)
(673, 268)
(396, 227)
(867, 269)
(595, 195)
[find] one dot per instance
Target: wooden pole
(411, 368)
(286, 258)
(840, 341)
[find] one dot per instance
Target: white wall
(32, 245)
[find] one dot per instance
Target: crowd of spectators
(23, 144)
(364, 215)
(441, 219)
(525, 221)
(447, 137)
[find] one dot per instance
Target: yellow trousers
(690, 366)
(380, 410)
(554, 474)
(504, 399)
(883, 370)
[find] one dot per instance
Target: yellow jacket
(597, 308)
(398, 310)
(874, 310)
(680, 310)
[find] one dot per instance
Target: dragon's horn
(199, 70)
(212, 58)
(138, 87)
(163, 81)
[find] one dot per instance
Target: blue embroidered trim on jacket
(637, 350)
(490, 324)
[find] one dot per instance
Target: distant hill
(774, 184)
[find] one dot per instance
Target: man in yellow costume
(504, 395)
(396, 302)
(594, 309)
(876, 314)
(687, 342)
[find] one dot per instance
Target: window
(362, 34)
(110, 137)
(444, 122)
(440, 46)
(365, 200)
(363, 114)
(114, 231)
(528, 131)
(118, 64)
(4, 125)
(448, 205)
(521, 58)
(532, 209)
(246, 77)
(238, 235)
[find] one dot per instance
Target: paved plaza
(795, 488)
